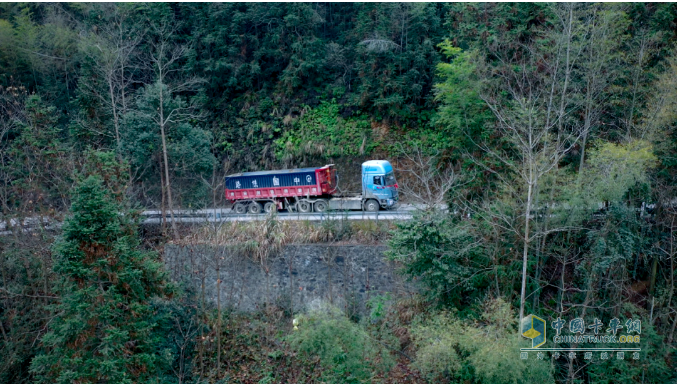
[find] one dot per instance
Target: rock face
(301, 276)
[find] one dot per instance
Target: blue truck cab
(378, 183)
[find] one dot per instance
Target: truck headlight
(391, 202)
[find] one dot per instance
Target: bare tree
(644, 47)
(12, 111)
(216, 182)
(533, 109)
(425, 179)
(165, 57)
(113, 48)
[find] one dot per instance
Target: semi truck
(308, 190)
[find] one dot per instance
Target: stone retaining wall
(347, 276)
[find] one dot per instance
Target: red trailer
(302, 189)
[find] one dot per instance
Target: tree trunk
(672, 278)
(162, 204)
(203, 318)
(635, 81)
(115, 114)
(525, 253)
(4, 284)
(586, 302)
(652, 279)
(218, 319)
(166, 162)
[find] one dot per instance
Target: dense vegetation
(548, 129)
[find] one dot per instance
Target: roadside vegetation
(547, 129)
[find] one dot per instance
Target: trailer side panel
(282, 183)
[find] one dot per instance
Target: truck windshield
(390, 179)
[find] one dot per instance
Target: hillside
(548, 129)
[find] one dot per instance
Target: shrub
(484, 352)
(443, 254)
(345, 351)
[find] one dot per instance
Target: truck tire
(254, 208)
(321, 206)
(371, 205)
(240, 208)
(304, 206)
(269, 207)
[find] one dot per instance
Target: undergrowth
(324, 347)
(260, 239)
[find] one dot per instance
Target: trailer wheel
(304, 206)
(240, 208)
(320, 206)
(254, 208)
(270, 207)
(371, 206)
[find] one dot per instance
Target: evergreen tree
(101, 331)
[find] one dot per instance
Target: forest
(549, 130)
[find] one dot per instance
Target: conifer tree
(102, 330)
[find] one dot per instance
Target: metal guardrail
(284, 216)
(29, 224)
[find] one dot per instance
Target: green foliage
(113, 172)
(436, 339)
(661, 129)
(484, 352)
(442, 253)
(378, 307)
(616, 168)
(652, 367)
(38, 171)
(25, 293)
(344, 349)
(102, 326)
(323, 131)
(188, 147)
(463, 120)
(462, 113)
(396, 79)
(177, 329)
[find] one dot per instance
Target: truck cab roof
(377, 166)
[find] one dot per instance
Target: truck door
(368, 187)
(378, 187)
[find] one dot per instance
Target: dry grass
(260, 239)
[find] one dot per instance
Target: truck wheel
(320, 206)
(371, 206)
(254, 208)
(270, 207)
(304, 206)
(240, 208)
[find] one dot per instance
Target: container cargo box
(281, 183)
(268, 179)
